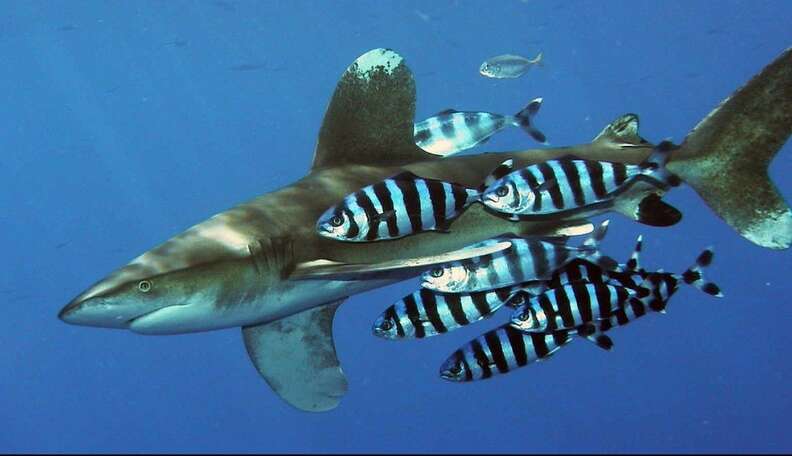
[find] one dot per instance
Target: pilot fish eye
(144, 286)
(386, 325)
(502, 191)
(525, 316)
(519, 299)
(336, 221)
(437, 272)
(455, 370)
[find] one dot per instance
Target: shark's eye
(437, 272)
(336, 221)
(386, 325)
(455, 369)
(502, 191)
(144, 286)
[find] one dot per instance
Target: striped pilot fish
(426, 313)
(570, 185)
(500, 351)
(399, 206)
(507, 348)
(527, 259)
(570, 306)
(452, 131)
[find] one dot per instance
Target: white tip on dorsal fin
(370, 117)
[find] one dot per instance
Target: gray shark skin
(255, 265)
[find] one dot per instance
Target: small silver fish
(508, 66)
(451, 131)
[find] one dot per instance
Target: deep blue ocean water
(124, 123)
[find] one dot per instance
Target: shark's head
(171, 302)
(503, 196)
(189, 283)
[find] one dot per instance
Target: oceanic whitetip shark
(262, 266)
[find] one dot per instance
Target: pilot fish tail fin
(725, 158)
(654, 168)
(589, 250)
(634, 263)
(694, 275)
(369, 120)
(525, 120)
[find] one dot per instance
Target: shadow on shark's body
(262, 267)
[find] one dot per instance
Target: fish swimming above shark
(262, 266)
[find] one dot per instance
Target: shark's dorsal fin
(296, 356)
(622, 131)
(370, 118)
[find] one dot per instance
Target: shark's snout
(95, 312)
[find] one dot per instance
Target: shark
(262, 267)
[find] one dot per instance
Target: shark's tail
(726, 156)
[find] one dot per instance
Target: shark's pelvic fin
(726, 156)
(296, 356)
(370, 118)
(623, 132)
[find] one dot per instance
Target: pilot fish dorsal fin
(296, 356)
(369, 120)
(446, 111)
(622, 131)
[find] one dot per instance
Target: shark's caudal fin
(370, 117)
(296, 356)
(726, 156)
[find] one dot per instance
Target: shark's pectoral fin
(404, 268)
(370, 118)
(296, 356)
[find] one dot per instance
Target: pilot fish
(507, 348)
(508, 66)
(452, 131)
(571, 185)
(569, 306)
(396, 207)
(426, 313)
(500, 351)
(526, 260)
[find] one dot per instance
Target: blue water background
(123, 123)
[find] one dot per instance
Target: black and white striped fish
(500, 351)
(426, 313)
(504, 349)
(396, 207)
(528, 259)
(571, 185)
(452, 131)
(570, 306)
